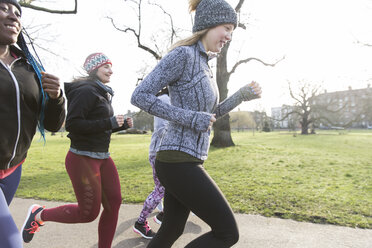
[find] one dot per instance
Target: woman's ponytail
(193, 4)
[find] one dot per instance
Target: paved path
(255, 232)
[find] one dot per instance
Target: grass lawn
(323, 178)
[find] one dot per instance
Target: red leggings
(95, 181)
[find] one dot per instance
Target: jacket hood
(17, 51)
(72, 87)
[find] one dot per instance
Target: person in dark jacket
(194, 108)
(29, 98)
(93, 174)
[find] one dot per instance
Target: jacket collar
(14, 50)
(106, 88)
(202, 51)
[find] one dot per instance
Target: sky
(321, 40)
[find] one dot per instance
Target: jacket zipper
(18, 110)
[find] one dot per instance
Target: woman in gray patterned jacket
(193, 109)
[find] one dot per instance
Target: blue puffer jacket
(194, 98)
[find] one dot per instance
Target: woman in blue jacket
(193, 109)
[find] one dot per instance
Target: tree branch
(249, 59)
(38, 8)
(126, 30)
(292, 95)
(364, 44)
(239, 5)
(173, 31)
(242, 25)
(288, 114)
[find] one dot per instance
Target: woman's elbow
(136, 99)
(133, 100)
(70, 126)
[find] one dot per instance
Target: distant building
(355, 107)
(348, 108)
(281, 119)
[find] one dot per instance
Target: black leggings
(188, 187)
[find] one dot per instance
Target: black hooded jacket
(89, 115)
(20, 106)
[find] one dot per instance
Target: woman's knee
(113, 203)
(89, 215)
(117, 202)
(172, 230)
(228, 237)
(175, 233)
(116, 199)
(228, 231)
(159, 193)
(233, 237)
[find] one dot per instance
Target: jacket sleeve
(55, 113)
(78, 110)
(168, 70)
(123, 127)
(161, 124)
(243, 94)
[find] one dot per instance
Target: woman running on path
(93, 174)
(194, 107)
(28, 98)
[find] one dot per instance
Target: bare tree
(155, 51)
(222, 131)
(153, 47)
(311, 108)
(260, 117)
(302, 107)
(33, 31)
(29, 4)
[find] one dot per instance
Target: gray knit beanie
(14, 2)
(211, 13)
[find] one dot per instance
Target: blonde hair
(195, 37)
(191, 40)
(193, 4)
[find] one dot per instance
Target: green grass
(323, 178)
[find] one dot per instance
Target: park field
(322, 178)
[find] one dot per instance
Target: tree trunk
(222, 133)
(304, 125)
(304, 129)
(222, 130)
(312, 129)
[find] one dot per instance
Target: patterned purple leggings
(154, 197)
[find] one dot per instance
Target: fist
(120, 120)
(130, 122)
(213, 119)
(256, 88)
(51, 85)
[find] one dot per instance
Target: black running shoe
(31, 226)
(159, 218)
(144, 230)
